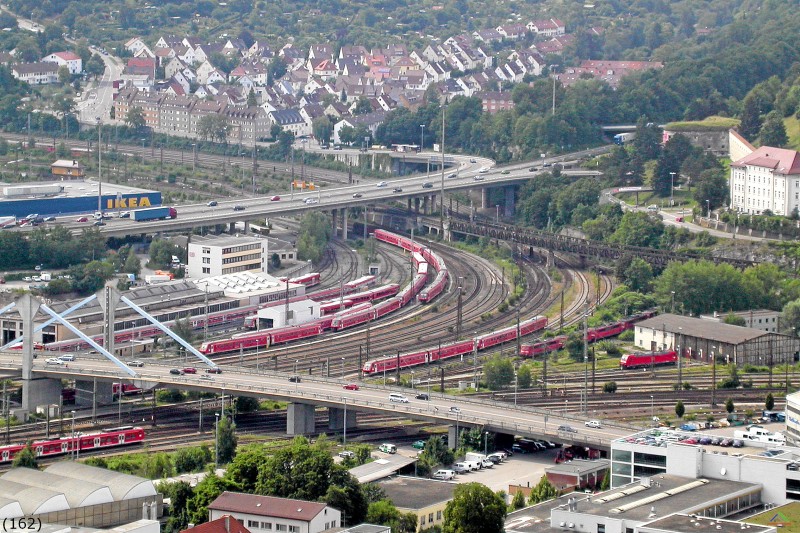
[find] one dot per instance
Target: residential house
(169, 41)
(203, 52)
(40, 73)
(337, 109)
(487, 36)
(319, 52)
(324, 68)
(531, 59)
(293, 57)
(66, 59)
(164, 55)
(203, 108)
(174, 118)
(356, 53)
(260, 51)
(269, 513)
(204, 71)
(141, 66)
(174, 66)
(223, 524)
(555, 45)
(290, 120)
(512, 31)
(186, 54)
(135, 45)
(247, 124)
(494, 101)
(547, 27)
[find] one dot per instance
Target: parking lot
(520, 469)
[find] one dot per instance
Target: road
(97, 98)
(494, 416)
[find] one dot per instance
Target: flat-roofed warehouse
(702, 339)
(69, 198)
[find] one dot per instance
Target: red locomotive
(645, 359)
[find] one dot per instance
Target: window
(294, 529)
(601, 528)
(252, 523)
(438, 515)
(266, 525)
(430, 518)
(280, 527)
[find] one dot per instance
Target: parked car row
(473, 462)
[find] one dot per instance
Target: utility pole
(586, 357)
(441, 201)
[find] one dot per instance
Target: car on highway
(357, 195)
(478, 178)
(484, 170)
(212, 203)
(454, 409)
(136, 363)
(397, 189)
(452, 175)
(593, 424)
(350, 386)
(190, 370)
(567, 429)
(207, 377)
(381, 184)
(422, 396)
(176, 371)
(678, 219)
(99, 223)
(294, 379)
(214, 370)
(82, 219)
(124, 214)
(533, 169)
(506, 172)
(50, 219)
(427, 185)
(238, 208)
(275, 198)
(473, 160)
(309, 200)
(418, 445)
(54, 361)
(396, 397)
(31, 216)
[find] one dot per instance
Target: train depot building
(702, 340)
(69, 198)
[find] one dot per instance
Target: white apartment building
(767, 179)
(215, 256)
(267, 514)
(72, 61)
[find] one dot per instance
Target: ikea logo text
(127, 203)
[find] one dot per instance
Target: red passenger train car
(645, 359)
(121, 436)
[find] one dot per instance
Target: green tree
(711, 185)
(206, 492)
(474, 509)
(543, 491)
(246, 404)
(574, 346)
(252, 101)
(647, 141)
(302, 471)
(248, 462)
(362, 106)
(322, 129)
(157, 466)
(734, 320)
(161, 252)
(638, 229)
(345, 494)
(518, 501)
(680, 410)
(769, 402)
(179, 493)
(213, 127)
(275, 260)
(64, 75)
(95, 66)
(192, 459)
(638, 276)
(498, 372)
(132, 264)
(275, 70)
(675, 151)
(226, 437)
(729, 406)
(524, 377)
(26, 458)
(315, 231)
(135, 119)
(436, 449)
(751, 117)
(773, 131)
(383, 512)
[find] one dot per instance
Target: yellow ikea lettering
(128, 203)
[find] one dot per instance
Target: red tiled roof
(779, 159)
(237, 502)
(223, 524)
(67, 56)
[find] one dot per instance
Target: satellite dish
(723, 471)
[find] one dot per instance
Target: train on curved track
(593, 335)
(80, 442)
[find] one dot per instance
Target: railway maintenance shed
(703, 339)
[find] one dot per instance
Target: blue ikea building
(69, 198)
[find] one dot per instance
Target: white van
(446, 475)
(67, 358)
(388, 448)
(395, 397)
(474, 465)
(461, 468)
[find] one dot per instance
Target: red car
(274, 198)
(351, 386)
(190, 370)
(215, 370)
(82, 219)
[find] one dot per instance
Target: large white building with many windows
(766, 179)
(215, 256)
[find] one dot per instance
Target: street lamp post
(708, 205)
(422, 137)
(671, 189)
(713, 377)
(485, 443)
(672, 306)
(72, 449)
(652, 408)
(342, 367)
(515, 388)
(216, 441)
(497, 213)
(99, 165)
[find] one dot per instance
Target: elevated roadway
(313, 391)
(467, 173)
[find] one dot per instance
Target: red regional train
(594, 334)
(448, 351)
(263, 340)
(121, 436)
(645, 359)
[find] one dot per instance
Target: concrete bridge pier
(335, 222)
(425, 206)
(300, 419)
(408, 201)
(485, 198)
(337, 419)
(452, 438)
(343, 215)
(232, 228)
(432, 205)
(551, 259)
(247, 227)
(35, 391)
(416, 205)
(448, 235)
(510, 207)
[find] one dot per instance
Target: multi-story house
(72, 61)
(36, 73)
(767, 179)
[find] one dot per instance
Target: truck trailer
(154, 213)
